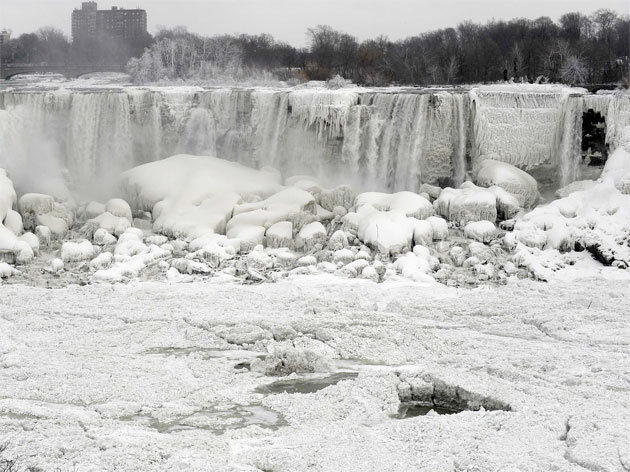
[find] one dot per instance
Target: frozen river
(157, 377)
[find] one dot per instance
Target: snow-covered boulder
(101, 261)
(119, 207)
(467, 203)
(310, 236)
(77, 251)
(338, 240)
(280, 235)
(107, 222)
(510, 178)
(7, 200)
(388, 232)
(482, 231)
(56, 265)
(432, 191)
(57, 225)
(343, 256)
(259, 260)
(93, 209)
(291, 204)
(507, 204)
(249, 236)
(31, 205)
(43, 233)
(417, 264)
(13, 222)
(7, 271)
(408, 203)
(196, 194)
(23, 252)
(370, 273)
(103, 238)
(306, 261)
(422, 231)
(32, 240)
(339, 197)
(439, 228)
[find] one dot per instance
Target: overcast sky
(288, 19)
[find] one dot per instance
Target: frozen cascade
(378, 139)
(615, 108)
(99, 136)
(568, 139)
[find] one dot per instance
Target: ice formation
(192, 196)
(510, 178)
(287, 193)
(371, 138)
(7, 200)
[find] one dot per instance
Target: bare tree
(574, 71)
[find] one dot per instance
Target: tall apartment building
(90, 23)
(5, 36)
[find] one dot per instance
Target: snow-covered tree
(574, 71)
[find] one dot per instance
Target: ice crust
(163, 385)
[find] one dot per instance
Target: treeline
(51, 45)
(577, 49)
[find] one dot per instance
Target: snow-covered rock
(32, 240)
(408, 203)
(103, 238)
(310, 236)
(466, 204)
(416, 264)
(280, 235)
(101, 261)
(510, 178)
(77, 251)
(13, 222)
(439, 228)
(191, 195)
(482, 231)
(7, 200)
(119, 207)
(23, 252)
(43, 233)
(31, 205)
(7, 271)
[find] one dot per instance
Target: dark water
(305, 385)
(413, 409)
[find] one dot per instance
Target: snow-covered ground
(150, 376)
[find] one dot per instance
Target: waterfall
(382, 139)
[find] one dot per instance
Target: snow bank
(596, 218)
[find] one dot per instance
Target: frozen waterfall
(381, 139)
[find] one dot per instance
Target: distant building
(127, 26)
(5, 36)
